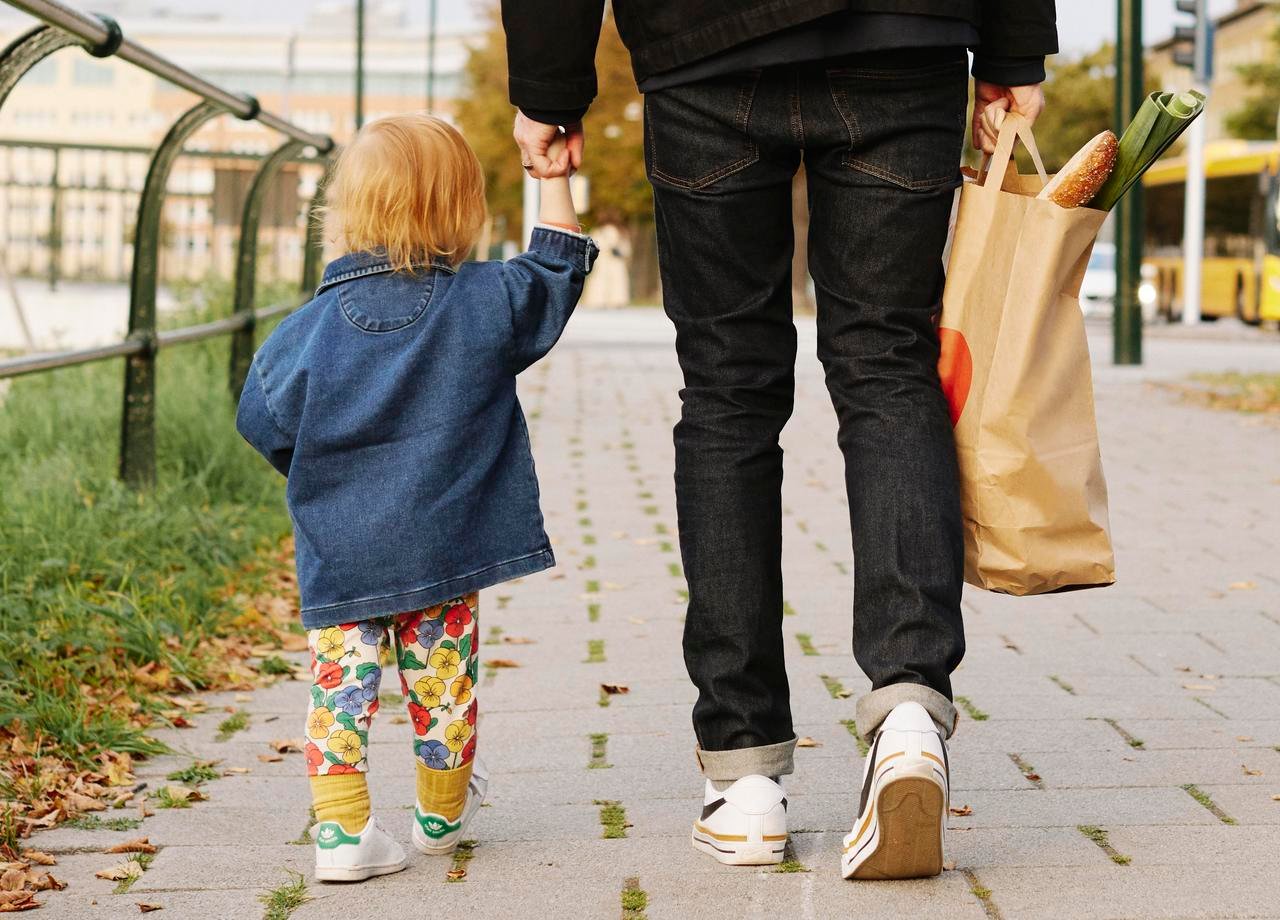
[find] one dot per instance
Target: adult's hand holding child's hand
(539, 157)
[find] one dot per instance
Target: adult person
(871, 96)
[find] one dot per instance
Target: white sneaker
(343, 857)
(745, 825)
(905, 789)
(435, 836)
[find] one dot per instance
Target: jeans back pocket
(906, 125)
(697, 134)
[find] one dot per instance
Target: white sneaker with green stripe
(343, 857)
(436, 836)
(745, 825)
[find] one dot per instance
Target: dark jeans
(880, 136)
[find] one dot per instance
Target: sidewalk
(1150, 710)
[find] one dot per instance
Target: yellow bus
(1241, 275)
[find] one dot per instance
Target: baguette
(1084, 174)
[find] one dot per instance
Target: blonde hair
(410, 185)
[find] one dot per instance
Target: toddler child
(389, 402)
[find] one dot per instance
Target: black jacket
(551, 44)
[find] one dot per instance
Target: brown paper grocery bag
(1015, 367)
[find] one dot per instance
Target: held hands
(991, 101)
(542, 158)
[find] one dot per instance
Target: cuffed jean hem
(766, 760)
(875, 707)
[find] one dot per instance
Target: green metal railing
(101, 36)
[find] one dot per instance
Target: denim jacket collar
(370, 262)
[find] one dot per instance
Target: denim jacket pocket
(698, 134)
(902, 130)
(388, 301)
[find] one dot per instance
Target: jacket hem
(391, 604)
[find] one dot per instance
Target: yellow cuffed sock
(342, 797)
(443, 792)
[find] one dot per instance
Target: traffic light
(1193, 41)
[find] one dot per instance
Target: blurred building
(76, 133)
(1242, 36)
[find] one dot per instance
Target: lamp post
(359, 64)
(1127, 315)
(431, 55)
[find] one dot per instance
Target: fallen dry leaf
(1198, 687)
(502, 663)
(962, 812)
(1276, 797)
(454, 875)
(122, 871)
(139, 845)
(145, 810)
(518, 640)
(949, 865)
(288, 745)
(14, 901)
(38, 857)
(270, 758)
(399, 720)
(184, 793)
(1033, 777)
(806, 741)
(614, 689)
(1244, 737)
(148, 908)
(244, 697)
(236, 771)
(1249, 772)
(1243, 585)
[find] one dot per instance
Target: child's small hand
(556, 150)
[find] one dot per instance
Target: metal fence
(100, 36)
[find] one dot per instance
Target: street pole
(359, 64)
(1126, 318)
(1193, 216)
(431, 55)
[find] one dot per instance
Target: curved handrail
(103, 38)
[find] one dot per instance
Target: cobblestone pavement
(1120, 749)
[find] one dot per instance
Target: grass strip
(971, 710)
(982, 893)
(599, 751)
(1063, 684)
(1101, 837)
(1203, 798)
(595, 651)
(613, 818)
(1028, 772)
(834, 687)
(852, 728)
(462, 854)
(113, 600)
(200, 771)
(238, 721)
(281, 902)
(1134, 742)
(634, 900)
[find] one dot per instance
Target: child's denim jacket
(389, 402)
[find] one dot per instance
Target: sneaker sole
(737, 853)
(907, 839)
(356, 873)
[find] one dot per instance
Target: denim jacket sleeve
(258, 425)
(543, 286)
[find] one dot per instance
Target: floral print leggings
(437, 653)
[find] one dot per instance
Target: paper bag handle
(1011, 126)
